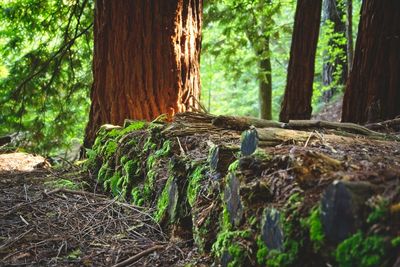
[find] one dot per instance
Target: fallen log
(251, 197)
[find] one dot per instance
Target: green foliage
(235, 40)
(359, 250)
(46, 49)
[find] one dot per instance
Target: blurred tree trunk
(297, 99)
(265, 83)
(349, 34)
(373, 88)
(146, 60)
(333, 13)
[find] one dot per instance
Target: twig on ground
(138, 256)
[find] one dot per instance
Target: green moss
(151, 165)
(65, 183)
(200, 234)
(261, 155)
(104, 172)
(163, 201)
(314, 226)
(233, 166)
(115, 184)
(238, 255)
(164, 150)
(262, 252)
(193, 187)
(133, 126)
(137, 196)
(226, 242)
(130, 168)
(75, 254)
(361, 251)
(109, 148)
(226, 219)
(289, 255)
(380, 210)
(395, 242)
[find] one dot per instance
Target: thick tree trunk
(373, 89)
(265, 86)
(333, 12)
(146, 60)
(297, 100)
(349, 34)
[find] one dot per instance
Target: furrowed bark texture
(146, 60)
(373, 88)
(297, 99)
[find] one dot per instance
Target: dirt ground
(43, 226)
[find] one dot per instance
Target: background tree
(334, 71)
(297, 99)
(240, 39)
(46, 51)
(349, 34)
(373, 89)
(146, 60)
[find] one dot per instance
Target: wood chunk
(271, 229)
(232, 199)
(343, 209)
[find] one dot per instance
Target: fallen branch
(394, 124)
(244, 123)
(138, 256)
(344, 126)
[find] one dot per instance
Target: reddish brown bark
(297, 99)
(146, 60)
(373, 88)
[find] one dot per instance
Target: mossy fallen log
(261, 197)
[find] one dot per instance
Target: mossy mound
(258, 203)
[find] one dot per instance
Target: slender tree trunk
(349, 34)
(373, 89)
(265, 84)
(333, 12)
(297, 99)
(146, 60)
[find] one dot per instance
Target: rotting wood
(243, 123)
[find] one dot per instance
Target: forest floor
(43, 225)
(61, 217)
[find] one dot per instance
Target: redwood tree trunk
(146, 60)
(297, 99)
(373, 88)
